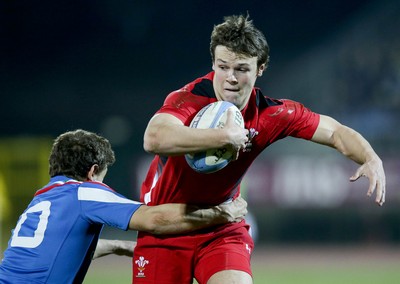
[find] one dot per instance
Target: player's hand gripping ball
(213, 115)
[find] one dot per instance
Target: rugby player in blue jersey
(56, 236)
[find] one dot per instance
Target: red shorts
(179, 259)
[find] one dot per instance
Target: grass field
(290, 265)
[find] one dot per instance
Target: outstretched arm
(351, 144)
(173, 219)
(183, 218)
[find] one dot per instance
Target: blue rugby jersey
(55, 237)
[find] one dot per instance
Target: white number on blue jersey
(37, 236)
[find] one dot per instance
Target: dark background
(73, 63)
(106, 66)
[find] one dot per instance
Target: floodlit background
(106, 66)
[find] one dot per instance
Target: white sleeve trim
(99, 195)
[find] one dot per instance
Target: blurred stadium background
(106, 66)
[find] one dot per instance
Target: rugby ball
(213, 115)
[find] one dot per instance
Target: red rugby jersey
(171, 180)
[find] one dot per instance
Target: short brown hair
(75, 152)
(239, 35)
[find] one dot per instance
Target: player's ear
(92, 172)
(261, 70)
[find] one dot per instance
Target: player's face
(235, 76)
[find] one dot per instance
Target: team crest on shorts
(141, 263)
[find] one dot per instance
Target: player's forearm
(182, 218)
(344, 139)
(177, 218)
(177, 140)
(351, 144)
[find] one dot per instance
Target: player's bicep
(160, 129)
(161, 119)
(325, 130)
(104, 206)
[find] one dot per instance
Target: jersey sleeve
(301, 121)
(101, 204)
(183, 105)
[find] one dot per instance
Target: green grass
(350, 275)
(357, 275)
(276, 266)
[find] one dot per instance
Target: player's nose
(231, 77)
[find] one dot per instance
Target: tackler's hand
(234, 211)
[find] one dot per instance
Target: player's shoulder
(95, 185)
(198, 90)
(277, 107)
(274, 103)
(262, 101)
(295, 106)
(183, 98)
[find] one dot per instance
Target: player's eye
(243, 70)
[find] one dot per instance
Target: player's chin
(233, 98)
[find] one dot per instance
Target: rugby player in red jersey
(221, 254)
